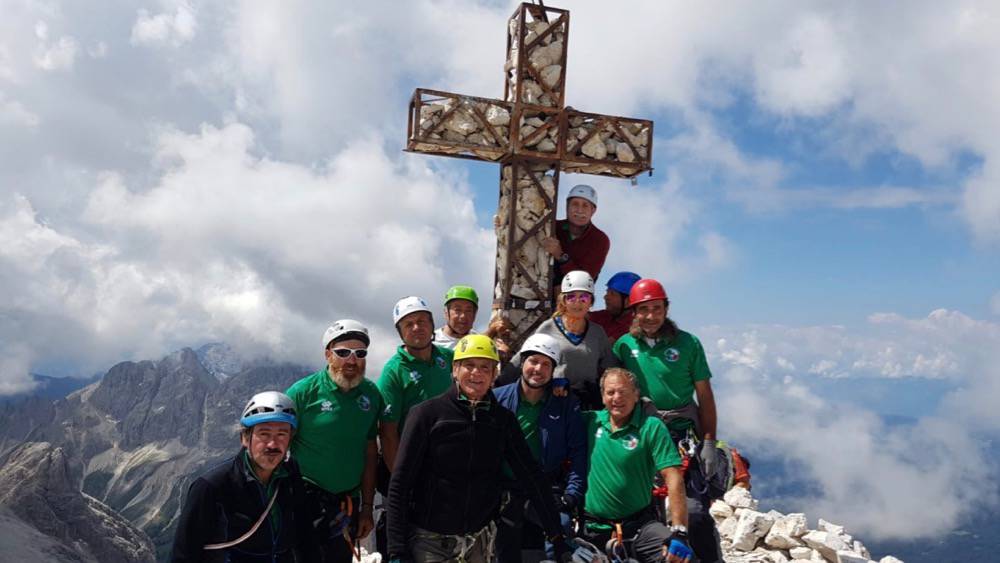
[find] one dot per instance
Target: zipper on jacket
(468, 484)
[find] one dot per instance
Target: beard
(346, 382)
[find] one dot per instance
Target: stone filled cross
(533, 136)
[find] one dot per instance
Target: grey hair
(619, 372)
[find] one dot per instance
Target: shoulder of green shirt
(303, 385)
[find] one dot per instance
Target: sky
(824, 209)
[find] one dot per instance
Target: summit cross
(534, 136)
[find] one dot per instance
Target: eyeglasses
(345, 353)
(579, 296)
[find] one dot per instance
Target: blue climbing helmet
(269, 406)
(622, 282)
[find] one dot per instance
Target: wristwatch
(678, 528)
(563, 258)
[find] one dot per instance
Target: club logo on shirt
(364, 403)
(387, 410)
(635, 353)
(326, 406)
(415, 376)
(671, 354)
(440, 362)
(599, 433)
(631, 442)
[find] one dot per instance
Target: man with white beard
(335, 444)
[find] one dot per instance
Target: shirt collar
(604, 418)
(410, 358)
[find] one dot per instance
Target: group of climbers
(478, 451)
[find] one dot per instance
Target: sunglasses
(581, 297)
(345, 353)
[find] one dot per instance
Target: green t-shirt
(667, 371)
(527, 418)
(624, 462)
(406, 382)
(334, 430)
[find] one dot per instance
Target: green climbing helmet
(461, 292)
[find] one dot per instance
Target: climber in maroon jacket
(578, 244)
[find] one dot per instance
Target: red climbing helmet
(646, 290)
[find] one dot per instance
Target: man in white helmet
(578, 244)
(335, 446)
(249, 509)
(419, 370)
(554, 429)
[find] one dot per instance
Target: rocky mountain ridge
(127, 445)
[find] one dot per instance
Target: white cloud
(12, 111)
(174, 27)
(98, 51)
(873, 477)
(230, 246)
(943, 345)
(802, 71)
(59, 55)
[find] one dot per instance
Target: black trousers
(331, 546)
(647, 545)
(702, 533)
(517, 529)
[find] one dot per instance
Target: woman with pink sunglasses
(586, 351)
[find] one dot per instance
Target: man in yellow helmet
(446, 486)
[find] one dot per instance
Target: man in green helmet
(460, 306)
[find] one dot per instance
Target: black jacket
(224, 504)
(448, 470)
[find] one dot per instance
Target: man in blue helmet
(616, 318)
(248, 509)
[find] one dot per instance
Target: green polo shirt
(527, 418)
(624, 462)
(407, 381)
(334, 430)
(667, 371)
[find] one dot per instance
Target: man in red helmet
(671, 370)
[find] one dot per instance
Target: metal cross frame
(534, 136)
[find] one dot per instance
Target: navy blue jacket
(564, 436)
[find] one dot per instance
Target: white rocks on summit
(751, 536)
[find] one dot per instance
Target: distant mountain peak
(220, 360)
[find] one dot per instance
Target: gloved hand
(566, 503)
(677, 547)
(564, 552)
(709, 458)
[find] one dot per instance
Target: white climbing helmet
(577, 280)
(408, 305)
(345, 327)
(586, 192)
(269, 406)
(542, 344)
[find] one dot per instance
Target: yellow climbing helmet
(476, 346)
